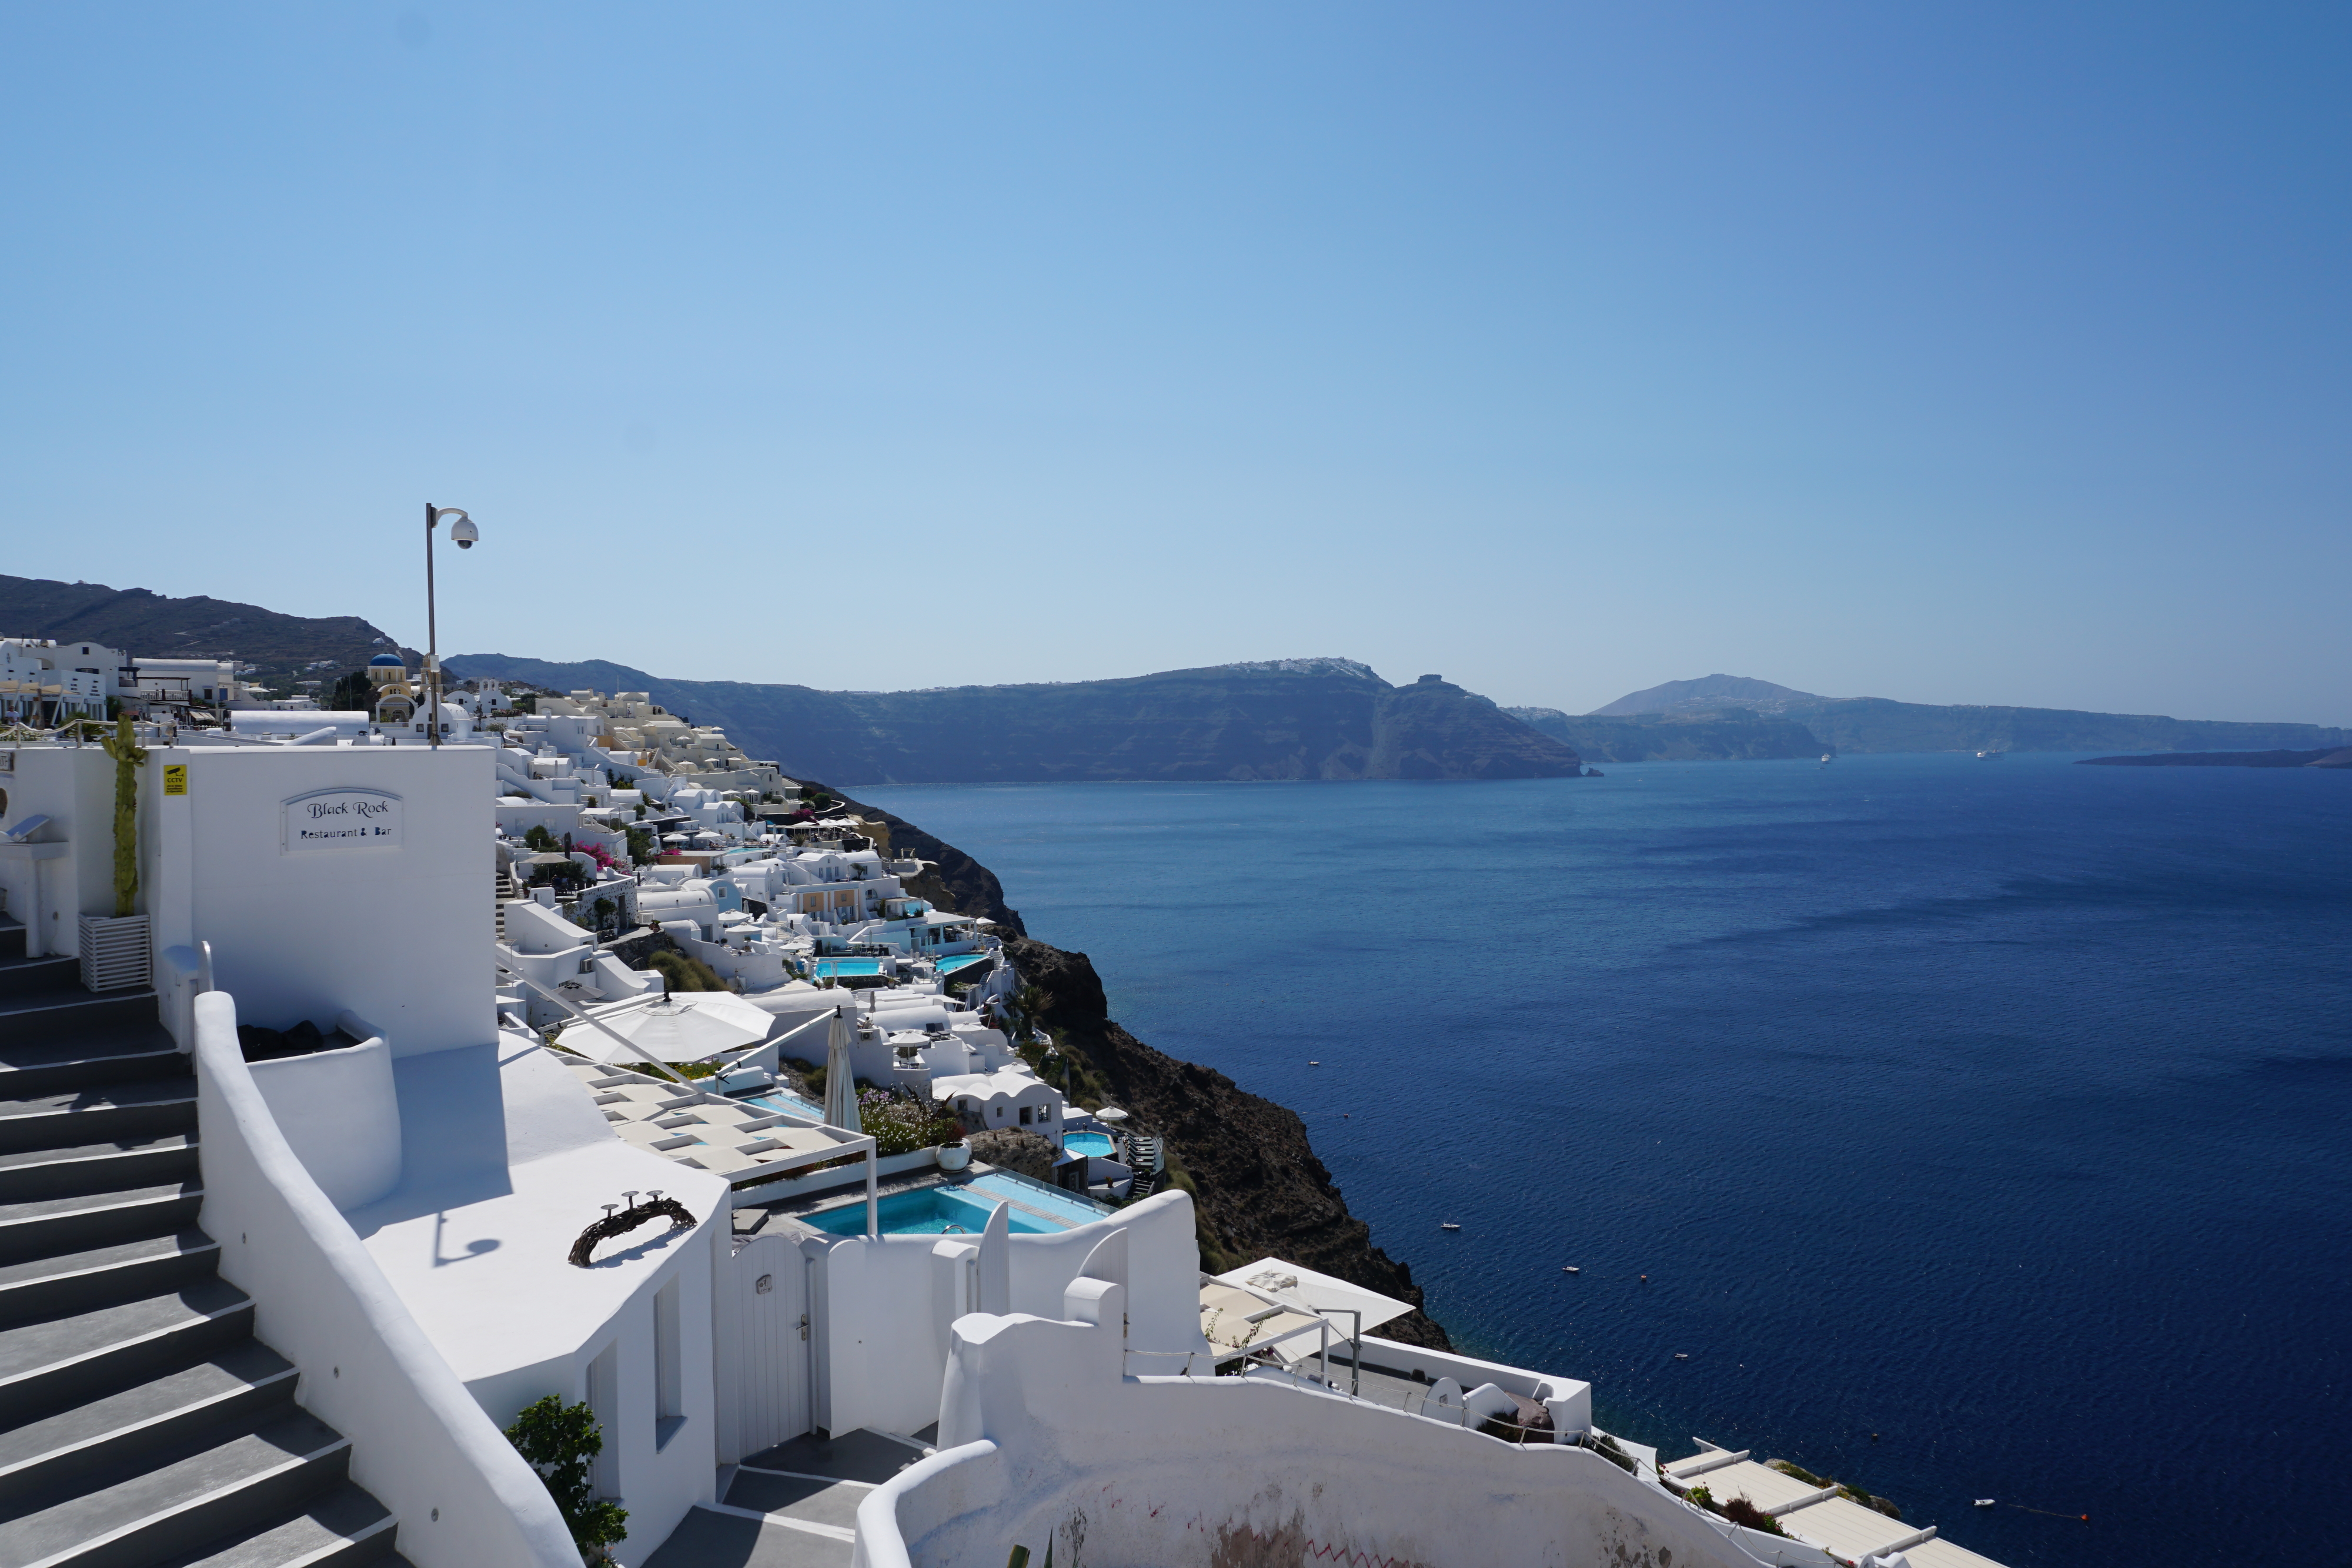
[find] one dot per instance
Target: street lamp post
(464, 534)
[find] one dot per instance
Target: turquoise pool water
(790, 1104)
(1070, 1208)
(848, 965)
(1037, 1210)
(954, 961)
(1096, 1144)
(932, 1211)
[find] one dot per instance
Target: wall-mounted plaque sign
(341, 820)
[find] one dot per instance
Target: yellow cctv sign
(175, 779)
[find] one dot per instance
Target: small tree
(1030, 1003)
(558, 1441)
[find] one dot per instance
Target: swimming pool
(1035, 1209)
(790, 1104)
(1067, 1207)
(848, 967)
(954, 961)
(1096, 1144)
(929, 1212)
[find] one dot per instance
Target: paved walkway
(792, 1506)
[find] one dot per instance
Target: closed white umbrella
(685, 1027)
(840, 1083)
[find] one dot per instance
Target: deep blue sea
(1984, 1129)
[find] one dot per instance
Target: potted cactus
(115, 951)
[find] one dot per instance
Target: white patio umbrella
(680, 1028)
(840, 1083)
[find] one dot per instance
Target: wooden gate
(763, 1343)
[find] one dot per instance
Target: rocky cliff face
(1257, 1188)
(1280, 719)
(1734, 733)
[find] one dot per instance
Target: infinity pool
(1035, 1209)
(1096, 1144)
(954, 961)
(932, 1211)
(848, 967)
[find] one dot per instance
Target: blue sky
(1956, 353)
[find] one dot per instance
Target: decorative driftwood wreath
(627, 1220)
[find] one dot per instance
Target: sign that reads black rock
(341, 820)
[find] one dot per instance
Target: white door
(764, 1347)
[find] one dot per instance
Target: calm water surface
(1981, 1127)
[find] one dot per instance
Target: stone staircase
(792, 1506)
(508, 890)
(142, 1424)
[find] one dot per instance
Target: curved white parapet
(1042, 1440)
(464, 1499)
(339, 1114)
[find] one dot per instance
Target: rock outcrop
(1257, 1186)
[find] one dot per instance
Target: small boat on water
(1682, 1355)
(1570, 1268)
(1449, 1225)
(1991, 755)
(1827, 758)
(1984, 1502)
(1312, 1063)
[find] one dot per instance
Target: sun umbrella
(840, 1082)
(684, 1028)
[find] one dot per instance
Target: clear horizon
(1947, 355)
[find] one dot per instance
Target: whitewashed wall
(1044, 1439)
(882, 1326)
(401, 935)
(74, 788)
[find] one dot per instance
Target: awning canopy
(686, 1027)
(1310, 1291)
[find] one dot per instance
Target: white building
(45, 683)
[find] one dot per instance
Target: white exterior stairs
(142, 1424)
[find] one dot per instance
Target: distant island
(1270, 720)
(1728, 717)
(2341, 757)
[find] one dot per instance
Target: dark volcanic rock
(1259, 1189)
(1013, 1149)
(1282, 719)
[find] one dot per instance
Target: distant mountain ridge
(1268, 719)
(1721, 716)
(1708, 693)
(150, 625)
